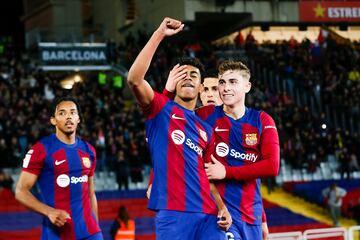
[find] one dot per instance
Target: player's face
(210, 92)
(66, 117)
(188, 88)
(233, 87)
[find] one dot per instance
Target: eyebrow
(192, 72)
(63, 110)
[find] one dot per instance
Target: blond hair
(235, 65)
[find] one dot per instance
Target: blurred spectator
(6, 181)
(334, 195)
(122, 171)
(123, 228)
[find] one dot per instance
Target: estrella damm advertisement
(332, 11)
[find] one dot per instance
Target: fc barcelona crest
(203, 135)
(250, 139)
(86, 162)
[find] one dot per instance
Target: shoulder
(205, 111)
(86, 146)
(267, 121)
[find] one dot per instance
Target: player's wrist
(159, 34)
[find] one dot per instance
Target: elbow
(18, 192)
(132, 78)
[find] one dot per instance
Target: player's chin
(188, 96)
(69, 131)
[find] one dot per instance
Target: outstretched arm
(141, 88)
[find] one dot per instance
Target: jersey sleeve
(94, 160)
(34, 159)
(210, 148)
(151, 177)
(268, 166)
(157, 103)
(205, 111)
(169, 95)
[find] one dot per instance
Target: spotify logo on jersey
(222, 149)
(178, 137)
(63, 180)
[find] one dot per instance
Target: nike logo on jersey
(217, 129)
(176, 117)
(57, 163)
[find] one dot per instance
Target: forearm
(94, 205)
(261, 169)
(218, 200)
(142, 62)
(26, 198)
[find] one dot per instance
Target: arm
(264, 226)
(224, 216)
(141, 88)
(151, 178)
(26, 181)
(93, 200)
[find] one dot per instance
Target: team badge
(250, 139)
(86, 162)
(203, 135)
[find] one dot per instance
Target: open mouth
(187, 85)
(210, 102)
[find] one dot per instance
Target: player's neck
(234, 111)
(186, 104)
(67, 139)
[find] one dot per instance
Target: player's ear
(53, 121)
(248, 87)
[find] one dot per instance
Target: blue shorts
(176, 225)
(240, 230)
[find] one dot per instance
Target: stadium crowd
(328, 70)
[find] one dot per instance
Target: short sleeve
(94, 160)
(34, 159)
(157, 103)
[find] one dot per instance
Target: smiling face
(233, 87)
(66, 118)
(188, 88)
(209, 94)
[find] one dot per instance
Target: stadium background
(304, 57)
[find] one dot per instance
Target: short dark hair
(58, 100)
(192, 62)
(211, 73)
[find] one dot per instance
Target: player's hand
(176, 74)
(215, 170)
(224, 219)
(58, 217)
(148, 192)
(265, 230)
(170, 27)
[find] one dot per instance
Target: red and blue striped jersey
(179, 144)
(249, 149)
(63, 172)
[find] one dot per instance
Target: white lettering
(194, 147)
(73, 55)
(343, 12)
(81, 179)
(244, 156)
